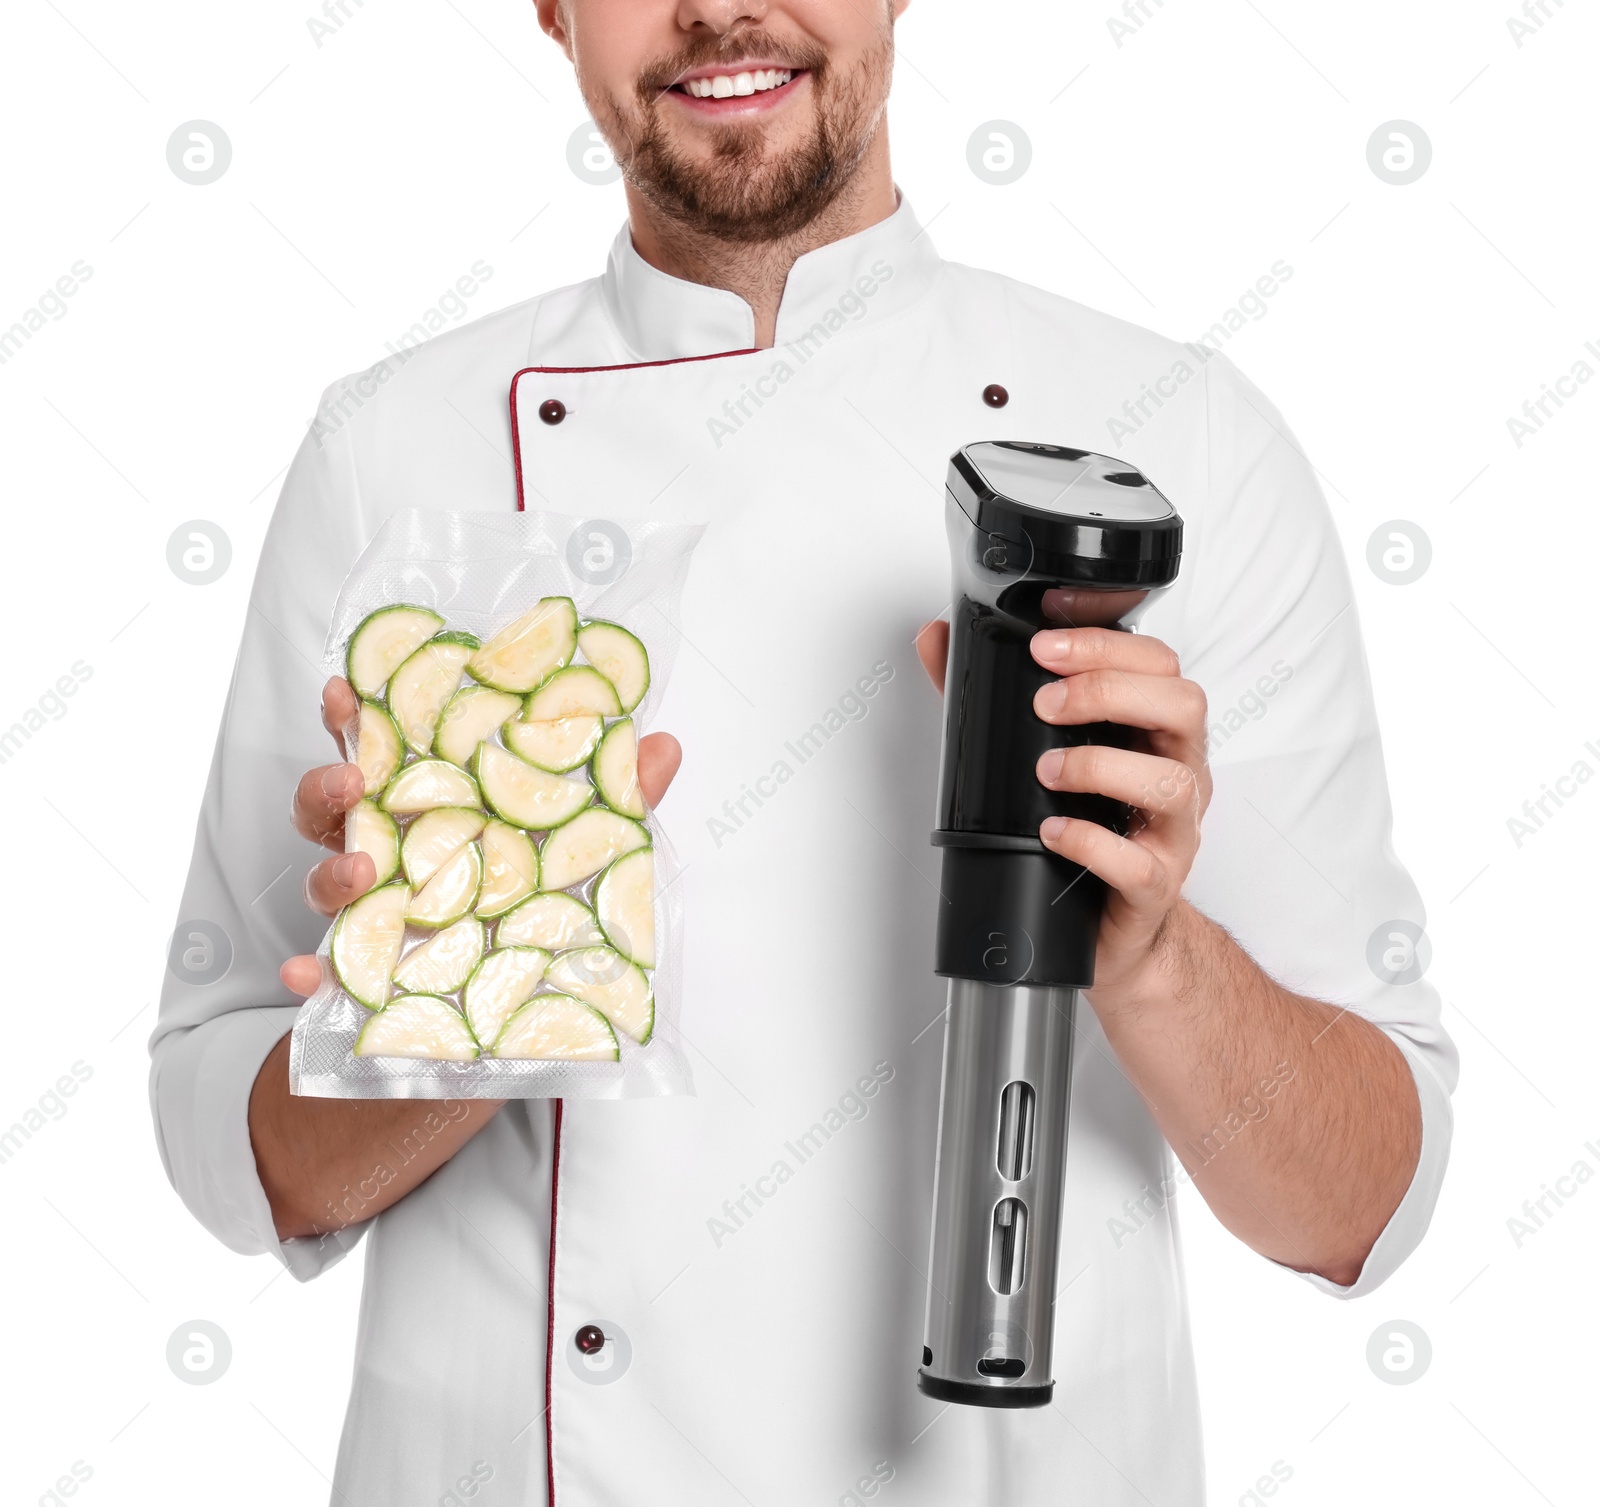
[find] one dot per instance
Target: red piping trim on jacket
(550, 1308)
(555, 1151)
(620, 366)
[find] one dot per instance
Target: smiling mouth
(737, 84)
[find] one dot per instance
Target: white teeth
(726, 85)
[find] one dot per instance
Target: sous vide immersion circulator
(1017, 923)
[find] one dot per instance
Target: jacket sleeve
(222, 1004)
(1296, 858)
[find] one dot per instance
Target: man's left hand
(1134, 681)
(1112, 676)
(1195, 1025)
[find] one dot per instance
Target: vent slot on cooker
(1015, 1155)
(995, 1366)
(1008, 1246)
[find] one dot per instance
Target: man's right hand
(320, 802)
(324, 795)
(327, 1163)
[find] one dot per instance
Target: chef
(719, 1298)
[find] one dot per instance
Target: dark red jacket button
(552, 410)
(994, 395)
(590, 1338)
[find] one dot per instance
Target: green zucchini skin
(383, 640)
(620, 657)
(518, 742)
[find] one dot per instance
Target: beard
(743, 193)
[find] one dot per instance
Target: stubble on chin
(745, 192)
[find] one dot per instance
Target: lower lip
(739, 104)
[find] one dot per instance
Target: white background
(1168, 173)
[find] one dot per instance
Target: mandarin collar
(854, 281)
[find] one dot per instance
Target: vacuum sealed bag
(523, 937)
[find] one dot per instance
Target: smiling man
(667, 1300)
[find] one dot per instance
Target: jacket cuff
(200, 1082)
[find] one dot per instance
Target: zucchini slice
(433, 839)
(524, 794)
(468, 718)
(618, 989)
(510, 868)
(442, 964)
(427, 784)
(556, 1027)
(585, 845)
(371, 830)
(625, 905)
(620, 657)
(419, 689)
(616, 769)
(451, 893)
(417, 1025)
(523, 653)
(557, 743)
(553, 922)
(366, 944)
(383, 641)
(378, 751)
(502, 982)
(572, 692)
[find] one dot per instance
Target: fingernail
(1051, 699)
(344, 871)
(1050, 765)
(1052, 827)
(333, 782)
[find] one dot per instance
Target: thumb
(933, 649)
(660, 754)
(302, 975)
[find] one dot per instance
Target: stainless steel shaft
(997, 1194)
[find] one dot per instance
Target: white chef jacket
(758, 1252)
